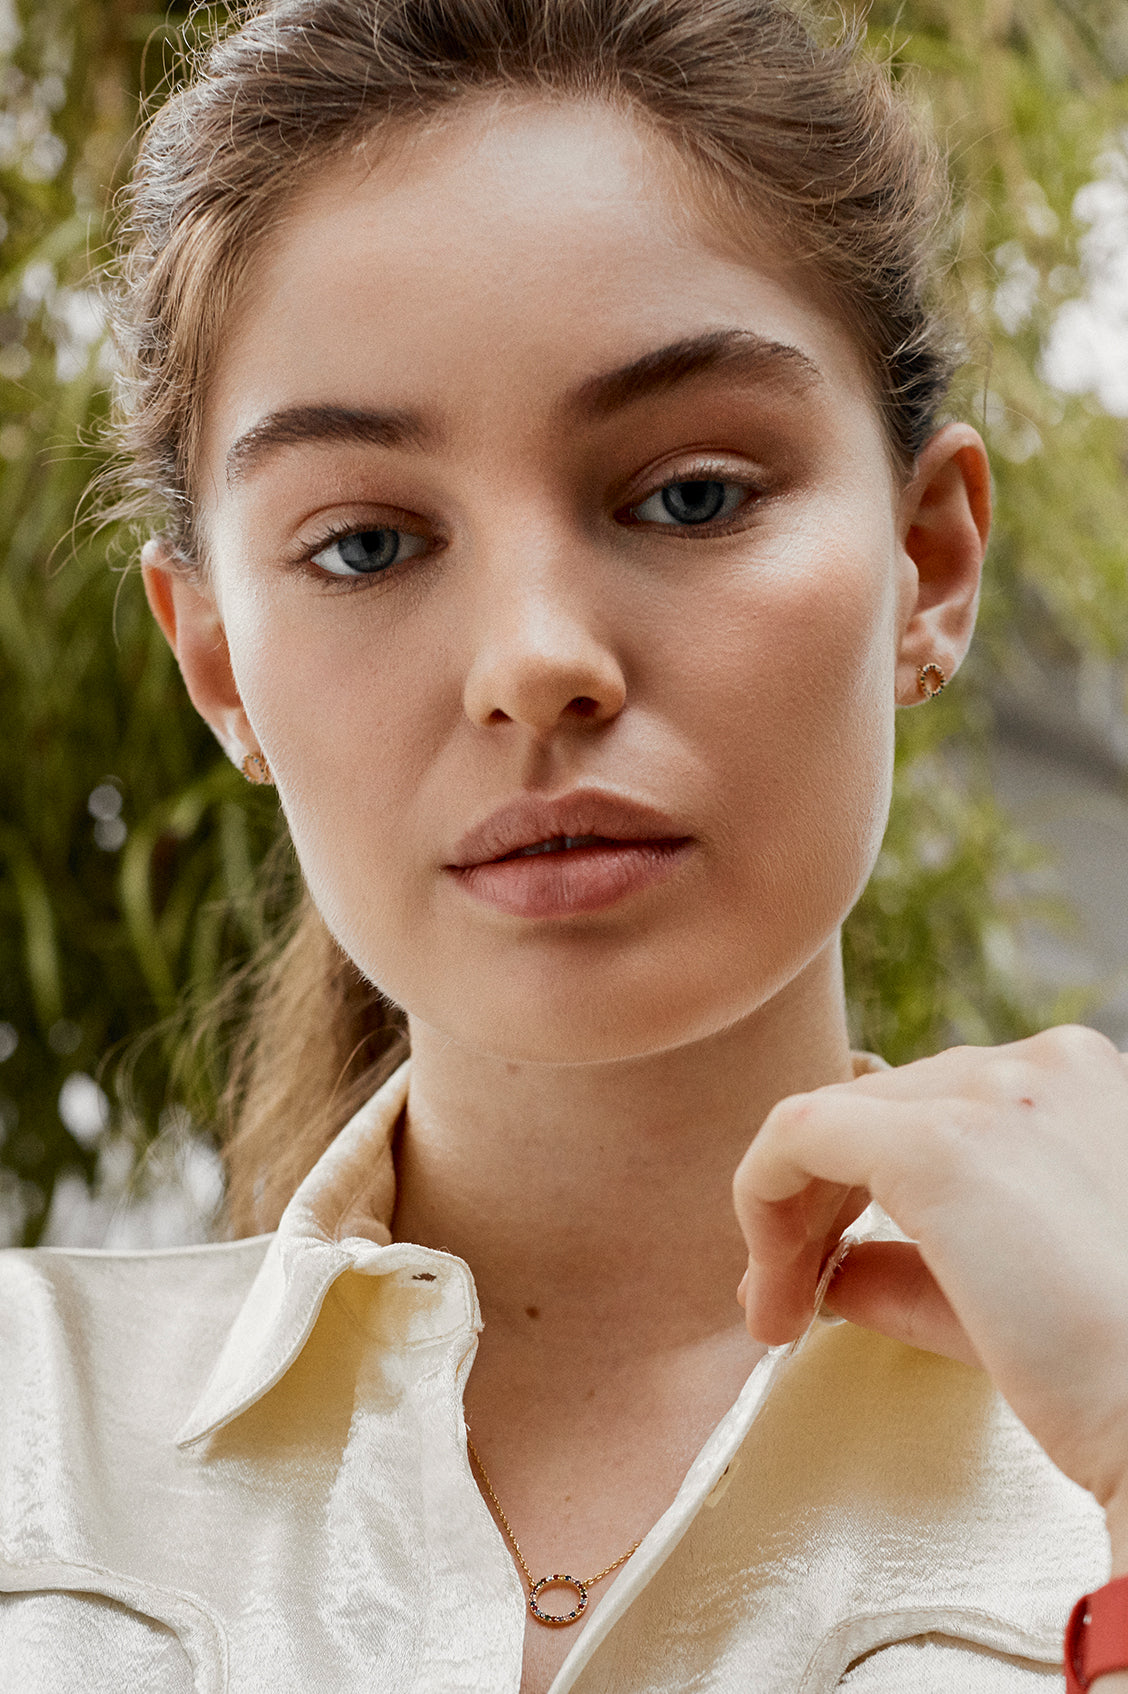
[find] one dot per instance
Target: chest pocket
(68, 1629)
(58, 1642)
(934, 1650)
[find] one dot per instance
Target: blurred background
(128, 846)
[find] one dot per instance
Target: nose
(543, 659)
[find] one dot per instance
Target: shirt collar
(338, 1219)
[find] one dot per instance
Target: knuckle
(1073, 1042)
(953, 1137)
(1017, 1077)
(794, 1109)
(784, 1121)
(956, 1120)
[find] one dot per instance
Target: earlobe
(945, 518)
(186, 610)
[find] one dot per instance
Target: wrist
(1116, 1518)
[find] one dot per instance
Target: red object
(1096, 1636)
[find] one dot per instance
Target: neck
(607, 1189)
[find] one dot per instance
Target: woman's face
(525, 494)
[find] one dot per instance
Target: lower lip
(579, 879)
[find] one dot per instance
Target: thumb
(886, 1286)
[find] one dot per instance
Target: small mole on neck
(532, 1311)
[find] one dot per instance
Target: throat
(566, 1239)
(598, 1194)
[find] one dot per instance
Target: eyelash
(703, 472)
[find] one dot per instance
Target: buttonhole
(423, 1276)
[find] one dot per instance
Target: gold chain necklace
(536, 1588)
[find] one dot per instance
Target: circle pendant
(564, 1617)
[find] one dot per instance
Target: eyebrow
(319, 426)
(738, 353)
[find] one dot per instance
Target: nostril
(583, 706)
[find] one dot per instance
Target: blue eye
(691, 502)
(367, 552)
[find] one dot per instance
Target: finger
(805, 1176)
(815, 1161)
(832, 1136)
(972, 1194)
(788, 1245)
(886, 1286)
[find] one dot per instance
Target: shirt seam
(1039, 1645)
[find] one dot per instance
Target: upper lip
(529, 819)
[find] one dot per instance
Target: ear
(186, 610)
(944, 521)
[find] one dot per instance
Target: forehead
(493, 260)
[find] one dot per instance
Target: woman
(542, 403)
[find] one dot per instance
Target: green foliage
(929, 950)
(1030, 98)
(128, 847)
(127, 843)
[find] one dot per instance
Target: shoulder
(81, 1329)
(156, 1276)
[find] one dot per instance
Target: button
(722, 1482)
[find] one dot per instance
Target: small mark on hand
(532, 1311)
(1026, 1100)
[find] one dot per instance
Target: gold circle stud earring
(932, 680)
(256, 769)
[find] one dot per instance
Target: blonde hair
(803, 134)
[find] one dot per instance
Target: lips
(562, 844)
(552, 859)
(529, 826)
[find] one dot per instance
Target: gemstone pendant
(564, 1617)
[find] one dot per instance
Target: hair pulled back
(803, 135)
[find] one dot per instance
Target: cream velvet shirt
(240, 1468)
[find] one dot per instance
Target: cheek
(796, 689)
(794, 721)
(347, 728)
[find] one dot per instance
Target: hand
(1009, 1168)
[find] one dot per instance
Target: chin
(594, 995)
(604, 1024)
